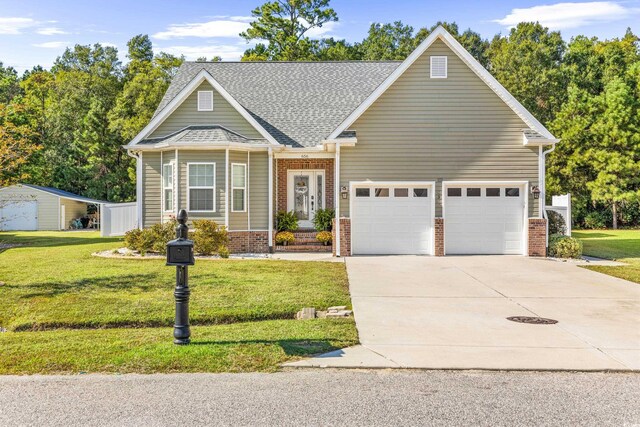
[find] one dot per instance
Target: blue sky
(37, 31)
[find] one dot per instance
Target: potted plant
(323, 219)
(324, 237)
(286, 221)
(285, 238)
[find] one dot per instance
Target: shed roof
(65, 194)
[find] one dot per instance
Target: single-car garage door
(484, 219)
(19, 215)
(392, 219)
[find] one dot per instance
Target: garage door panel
(19, 215)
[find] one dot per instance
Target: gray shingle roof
(299, 103)
(65, 194)
(204, 134)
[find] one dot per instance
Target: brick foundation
(248, 242)
(284, 165)
(345, 237)
(537, 237)
(439, 236)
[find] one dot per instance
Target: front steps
(305, 242)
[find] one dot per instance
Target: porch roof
(210, 134)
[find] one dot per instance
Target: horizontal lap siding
(429, 129)
(72, 210)
(223, 114)
(237, 220)
(259, 191)
(151, 188)
(217, 157)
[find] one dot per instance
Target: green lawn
(620, 245)
(68, 311)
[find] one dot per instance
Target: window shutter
(438, 67)
(205, 100)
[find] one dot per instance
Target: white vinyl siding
(167, 187)
(201, 184)
(438, 67)
(205, 100)
(238, 187)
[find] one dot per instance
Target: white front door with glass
(305, 195)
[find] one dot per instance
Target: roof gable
(441, 34)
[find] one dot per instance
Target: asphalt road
(324, 397)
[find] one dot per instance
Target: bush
(209, 238)
(285, 237)
(323, 220)
(223, 251)
(564, 246)
(160, 234)
(324, 237)
(138, 240)
(287, 221)
(596, 220)
(557, 224)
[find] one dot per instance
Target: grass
(67, 311)
(619, 245)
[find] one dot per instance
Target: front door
(305, 194)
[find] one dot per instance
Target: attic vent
(438, 67)
(205, 100)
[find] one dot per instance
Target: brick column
(345, 237)
(439, 236)
(537, 237)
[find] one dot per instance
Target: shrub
(564, 246)
(595, 220)
(223, 251)
(557, 224)
(209, 238)
(160, 234)
(287, 221)
(139, 240)
(324, 237)
(285, 237)
(323, 220)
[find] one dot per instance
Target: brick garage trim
(284, 165)
(345, 237)
(537, 245)
(439, 237)
(248, 242)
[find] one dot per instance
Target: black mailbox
(180, 252)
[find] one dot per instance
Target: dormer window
(205, 100)
(438, 67)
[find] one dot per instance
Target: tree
(9, 84)
(284, 25)
(213, 59)
(16, 144)
(387, 42)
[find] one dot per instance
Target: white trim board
(461, 52)
(182, 96)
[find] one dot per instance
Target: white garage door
(392, 219)
(484, 219)
(19, 215)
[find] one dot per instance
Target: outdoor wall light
(535, 190)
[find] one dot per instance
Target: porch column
(226, 188)
(270, 168)
(336, 195)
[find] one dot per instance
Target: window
(205, 100)
(401, 192)
(454, 192)
(492, 192)
(167, 187)
(438, 67)
(382, 192)
(420, 192)
(363, 192)
(473, 192)
(512, 192)
(238, 187)
(201, 183)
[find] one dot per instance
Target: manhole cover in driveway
(532, 320)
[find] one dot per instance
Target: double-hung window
(238, 187)
(201, 182)
(167, 187)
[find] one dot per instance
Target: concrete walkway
(450, 313)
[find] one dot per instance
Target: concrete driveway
(450, 313)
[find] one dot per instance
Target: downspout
(270, 168)
(543, 193)
(336, 193)
(138, 157)
(226, 189)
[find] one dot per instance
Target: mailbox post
(180, 254)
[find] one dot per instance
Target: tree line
(65, 126)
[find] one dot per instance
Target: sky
(35, 32)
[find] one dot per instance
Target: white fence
(562, 205)
(118, 218)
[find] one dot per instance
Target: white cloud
(568, 15)
(227, 52)
(50, 31)
(230, 26)
(13, 25)
(325, 31)
(108, 44)
(51, 45)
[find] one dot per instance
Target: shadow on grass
(115, 283)
(585, 234)
(292, 347)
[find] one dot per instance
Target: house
(430, 155)
(32, 207)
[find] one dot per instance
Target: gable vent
(205, 100)
(438, 67)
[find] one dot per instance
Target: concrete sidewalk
(450, 313)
